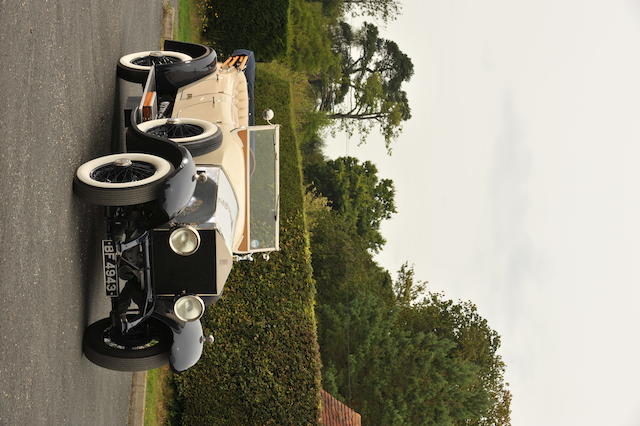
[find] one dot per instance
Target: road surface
(58, 88)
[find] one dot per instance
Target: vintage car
(195, 189)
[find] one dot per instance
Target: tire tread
(140, 363)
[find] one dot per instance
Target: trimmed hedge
(257, 25)
(264, 367)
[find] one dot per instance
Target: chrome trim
(189, 228)
(190, 296)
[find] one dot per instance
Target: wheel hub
(137, 339)
(123, 162)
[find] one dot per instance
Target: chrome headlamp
(189, 308)
(184, 240)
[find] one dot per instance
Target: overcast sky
(517, 185)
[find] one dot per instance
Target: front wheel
(121, 179)
(145, 349)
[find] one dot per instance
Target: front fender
(178, 187)
(187, 346)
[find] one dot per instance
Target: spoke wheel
(121, 179)
(135, 67)
(198, 136)
(118, 173)
(145, 338)
(147, 61)
(176, 131)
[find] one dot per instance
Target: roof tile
(335, 413)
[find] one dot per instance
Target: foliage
(264, 366)
(314, 205)
(384, 10)
(368, 93)
(310, 48)
(397, 360)
(393, 352)
(306, 121)
(256, 25)
(381, 10)
(406, 288)
(345, 274)
(467, 383)
(354, 190)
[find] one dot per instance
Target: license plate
(109, 262)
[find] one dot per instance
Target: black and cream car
(195, 190)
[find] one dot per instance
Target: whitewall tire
(121, 179)
(135, 67)
(198, 136)
(135, 60)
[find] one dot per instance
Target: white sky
(517, 188)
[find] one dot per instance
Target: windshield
(264, 188)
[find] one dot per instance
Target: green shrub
(258, 25)
(310, 47)
(264, 367)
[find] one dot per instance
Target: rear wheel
(198, 136)
(121, 179)
(145, 349)
(135, 67)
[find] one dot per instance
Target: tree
(439, 367)
(395, 359)
(383, 10)
(373, 55)
(406, 288)
(386, 10)
(354, 190)
(368, 92)
(481, 398)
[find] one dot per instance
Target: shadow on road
(92, 228)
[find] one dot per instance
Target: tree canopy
(355, 191)
(367, 94)
(383, 10)
(428, 362)
(406, 287)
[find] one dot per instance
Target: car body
(196, 190)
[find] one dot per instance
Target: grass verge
(159, 393)
(189, 24)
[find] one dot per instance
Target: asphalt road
(58, 92)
